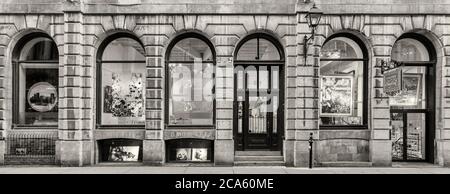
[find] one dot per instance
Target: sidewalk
(215, 170)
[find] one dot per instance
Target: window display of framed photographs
(120, 150)
(343, 95)
(36, 83)
(192, 154)
(121, 86)
(38, 94)
(124, 153)
(123, 94)
(189, 150)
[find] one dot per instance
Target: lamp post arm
(305, 44)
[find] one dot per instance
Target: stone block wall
(79, 29)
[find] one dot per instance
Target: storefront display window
(190, 83)
(193, 150)
(120, 150)
(36, 80)
(342, 83)
(122, 83)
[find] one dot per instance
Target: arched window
(343, 82)
(409, 49)
(190, 81)
(35, 83)
(121, 82)
(412, 109)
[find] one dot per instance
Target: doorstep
(414, 165)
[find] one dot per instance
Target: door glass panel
(252, 79)
(275, 77)
(274, 113)
(263, 78)
(257, 115)
(413, 95)
(416, 136)
(240, 115)
(397, 136)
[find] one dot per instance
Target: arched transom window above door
(258, 48)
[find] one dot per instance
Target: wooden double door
(258, 107)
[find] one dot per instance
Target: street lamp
(313, 18)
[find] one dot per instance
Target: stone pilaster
(224, 143)
(302, 93)
(75, 127)
(154, 145)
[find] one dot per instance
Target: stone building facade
(82, 30)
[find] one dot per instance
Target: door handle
(240, 109)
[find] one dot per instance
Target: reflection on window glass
(38, 94)
(191, 94)
(341, 83)
(123, 83)
(191, 49)
(191, 82)
(409, 49)
(39, 49)
(123, 49)
(341, 47)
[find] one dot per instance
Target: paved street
(217, 170)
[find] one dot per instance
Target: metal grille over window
(31, 147)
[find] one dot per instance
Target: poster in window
(410, 91)
(42, 97)
(124, 101)
(336, 96)
(184, 154)
(199, 154)
(124, 153)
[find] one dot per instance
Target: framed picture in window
(124, 153)
(336, 95)
(42, 96)
(184, 154)
(199, 154)
(410, 94)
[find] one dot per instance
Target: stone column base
(381, 152)
(288, 152)
(74, 153)
(301, 153)
(153, 152)
(446, 152)
(223, 152)
(2, 152)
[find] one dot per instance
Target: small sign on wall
(392, 81)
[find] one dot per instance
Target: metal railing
(31, 144)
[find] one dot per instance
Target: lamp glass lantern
(314, 16)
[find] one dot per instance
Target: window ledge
(190, 127)
(31, 127)
(361, 127)
(119, 127)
